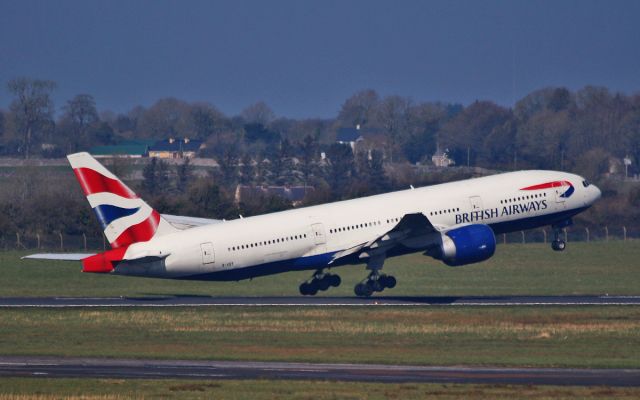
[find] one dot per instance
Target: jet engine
(467, 245)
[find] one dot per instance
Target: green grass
(607, 337)
(111, 389)
(584, 268)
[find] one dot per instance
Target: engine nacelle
(467, 245)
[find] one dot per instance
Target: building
(441, 159)
(176, 148)
(136, 148)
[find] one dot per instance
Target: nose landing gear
(559, 244)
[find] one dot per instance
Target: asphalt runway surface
(51, 367)
(204, 301)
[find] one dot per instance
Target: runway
(302, 301)
(52, 367)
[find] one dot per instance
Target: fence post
(566, 239)
(624, 233)
(606, 233)
(544, 232)
(61, 241)
(18, 244)
(523, 241)
(504, 238)
(38, 239)
(84, 240)
(587, 230)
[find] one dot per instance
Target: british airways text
(511, 209)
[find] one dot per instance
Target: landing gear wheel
(558, 245)
(362, 289)
(323, 284)
(376, 285)
(304, 289)
(319, 282)
(388, 281)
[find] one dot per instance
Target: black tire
(334, 280)
(322, 284)
(313, 288)
(304, 289)
(390, 282)
(376, 285)
(558, 245)
(363, 290)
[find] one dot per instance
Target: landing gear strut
(320, 281)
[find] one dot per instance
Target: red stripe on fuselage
(141, 232)
(94, 182)
(548, 185)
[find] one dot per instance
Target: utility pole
(627, 162)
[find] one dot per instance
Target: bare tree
(393, 116)
(32, 109)
(258, 113)
(359, 108)
(80, 114)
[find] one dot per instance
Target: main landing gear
(375, 282)
(319, 282)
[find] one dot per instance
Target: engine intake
(467, 245)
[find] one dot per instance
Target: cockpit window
(586, 183)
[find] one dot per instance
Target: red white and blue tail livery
(455, 222)
(125, 217)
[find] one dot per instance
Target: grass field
(584, 268)
(523, 336)
(607, 337)
(110, 389)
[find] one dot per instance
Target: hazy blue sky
(304, 58)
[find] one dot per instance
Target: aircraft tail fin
(125, 217)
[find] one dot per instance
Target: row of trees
(584, 131)
(549, 128)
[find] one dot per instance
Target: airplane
(454, 222)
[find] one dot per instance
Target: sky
(305, 58)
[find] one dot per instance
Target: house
(349, 136)
(176, 148)
(441, 159)
(136, 148)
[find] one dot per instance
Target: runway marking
(137, 369)
(523, 304)
(441, 301)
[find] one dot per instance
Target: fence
(61, 242)
(572, 234)
(52, 242)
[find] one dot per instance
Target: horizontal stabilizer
(58, 256)
(182, 222)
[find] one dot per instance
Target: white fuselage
(306, 238)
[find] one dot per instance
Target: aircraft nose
(596, 193)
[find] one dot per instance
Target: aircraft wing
(182, 222)
(413, 230)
